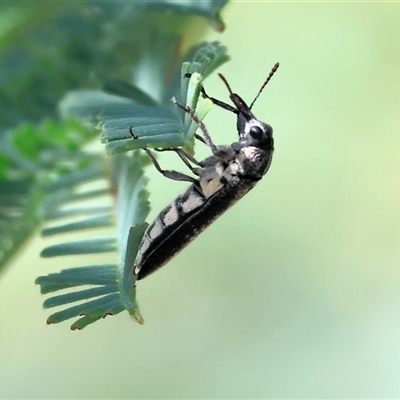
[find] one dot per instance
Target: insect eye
(256, 132)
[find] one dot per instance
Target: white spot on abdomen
(192, 202)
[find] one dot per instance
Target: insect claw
(132, 133)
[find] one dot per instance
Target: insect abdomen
(166, 237)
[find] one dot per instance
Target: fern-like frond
(152, 125)
(101, 289)
(156, 126)
(160, 125)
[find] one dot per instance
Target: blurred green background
(295, 291)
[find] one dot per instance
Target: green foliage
(33, 157)
(111, 287)
(115, 67)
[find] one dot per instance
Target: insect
(220, 181)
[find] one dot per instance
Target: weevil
(220, 181)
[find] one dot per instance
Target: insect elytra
(219, 181)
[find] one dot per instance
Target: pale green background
(295, 292)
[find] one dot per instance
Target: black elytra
(220, 181)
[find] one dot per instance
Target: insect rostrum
(221, 180)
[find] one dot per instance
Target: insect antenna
(273, 70)
(226, 83)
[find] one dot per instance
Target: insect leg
(207, 138)
(185, 157)
(213, 99)
(174, 175)
(171, 174)
(198, 137)
(183, 154)
(219, 103)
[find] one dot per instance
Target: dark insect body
(221, 180)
